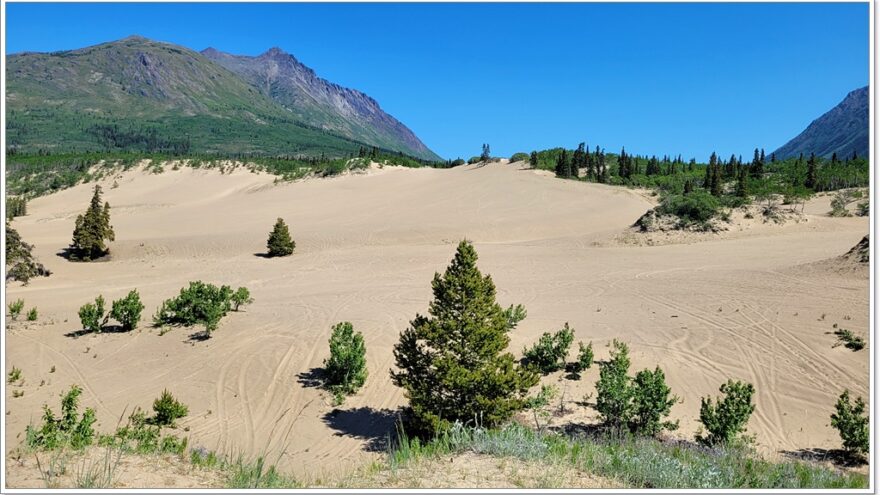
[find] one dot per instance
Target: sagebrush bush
(345, 370)
(92, 316)
(168, 409)
(127, 311)
(64, 431)
(652, 401)
(727, 417)
(199, 303)
(851, 421)
(15, 308)
(549, 353)
(613, 391)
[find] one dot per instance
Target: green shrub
(452, 363)
(280, 243)
(726, 418)
(20, 262)
(168, 409)
(127, 311)
(652, 401)
(200, 303)
(15, 308)
(549, 353)
(849, 340)
(695, 208)
(863, 209)
(851, 421)
(613, 391)
(241, 297)
(16, 206)
(585, 358)
(65, 431)
(519, 157)
(474, 159)
(346, 369)
(32, 315)
(92, 316)
(14, 375)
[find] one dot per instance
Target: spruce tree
(533, 159)
(280, 243)
(742, 184)
(91, 230)
(563, 168)
(613, 390)
(20, 262)
(452, 363)
(810, 183)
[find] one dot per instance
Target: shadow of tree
(68, 254)
(107, 329)
(199, 336)
(313, 378)
(838, 457)
(376, 426)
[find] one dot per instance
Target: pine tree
(758, 164)
(533, 159)
(280, 243)
(91, 230)
(613, 391)
(563, 168)
(485, 155)
(20, 263)
(453, 363)
(742, 184)
(810, 182)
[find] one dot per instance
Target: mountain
(843, 130)
(144, 95)
(320, 103)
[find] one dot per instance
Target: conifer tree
(91, 230)
(563, 168)
(280, 243)
(453, 363)
(613, 390)
(20, 262)
(742, 185)
(533, 159)
(810, 182)
(688, 187)
(485, 155)
(758, 165)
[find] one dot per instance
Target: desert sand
(754, 307)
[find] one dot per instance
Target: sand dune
(367, 248)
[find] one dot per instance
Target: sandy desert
(755, 306)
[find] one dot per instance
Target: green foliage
(613, 390)
(849, 340)
(727, 417)
(695, 208)
(840, 201)
(241, 297)
(32, 315)
(64, 431)
(20, 263)
(633, 462)
(14, 375)
(584, 359)
(143, 435)
(168, 409)
(91, 230)
(16, 206)
(92, 316)
(519, 157)
(200, 303)
(549, 353)
(15, 308)
(127, 311)
(863, 209)
(514, 315)
(346, 369)
(452, 364)
(280, 243)
(652, 401)
(851, 421)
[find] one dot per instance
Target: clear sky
(656, 78)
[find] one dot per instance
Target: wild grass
(634, 462)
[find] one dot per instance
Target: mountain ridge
(842, 130)
(146, 95)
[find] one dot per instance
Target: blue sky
(656, 78)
